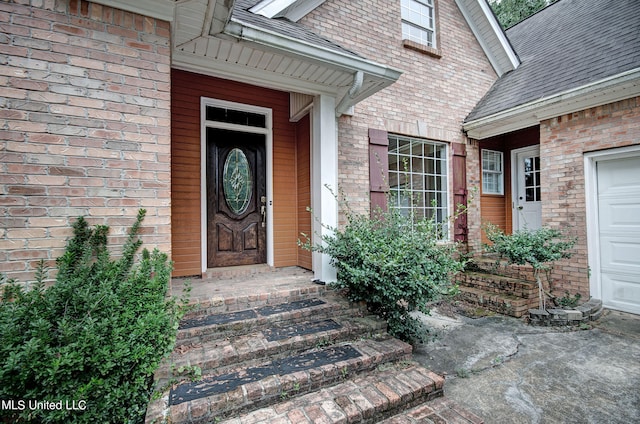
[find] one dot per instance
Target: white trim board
(591, 197)
(268, 132)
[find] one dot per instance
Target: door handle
(263, 212)
(520, 208)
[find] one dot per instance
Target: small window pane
(492, 172)
(231, 116)
(530, 195)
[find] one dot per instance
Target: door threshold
(228, 272)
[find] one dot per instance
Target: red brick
(297, 416)
(316, 415)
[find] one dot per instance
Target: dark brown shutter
(378, 168)
(459, 190)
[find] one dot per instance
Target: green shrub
(93, 339)
(538, 248)
(395, 264)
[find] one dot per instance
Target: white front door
(527, 204)
(618, 188)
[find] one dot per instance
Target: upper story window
(419, 22)
(418, 179)
(492, 172)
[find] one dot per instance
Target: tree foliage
(510, 12)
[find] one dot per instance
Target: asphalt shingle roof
(567, 45)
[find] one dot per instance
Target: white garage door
(619, 234)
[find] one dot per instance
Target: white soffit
(294, 10)
(609, 90)
(490, 35)
(256, 55)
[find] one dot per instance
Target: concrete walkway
(506, 371)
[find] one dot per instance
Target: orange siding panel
(493, 211)
(303, 161)
(187, 89)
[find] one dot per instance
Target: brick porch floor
(246, 282)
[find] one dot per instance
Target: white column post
(324, 168)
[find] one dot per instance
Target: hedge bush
(93, 339)
(394, 263)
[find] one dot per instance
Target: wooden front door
(236, 198)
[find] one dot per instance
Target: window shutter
(459, 165)
(378, 169)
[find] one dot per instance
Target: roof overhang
(205, 39)
(208, 40)
(619, 87)
(489, 33)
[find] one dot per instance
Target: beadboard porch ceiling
(209, 37)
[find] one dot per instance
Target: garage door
(619, 232)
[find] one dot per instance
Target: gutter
(247, 32)
(618, 87)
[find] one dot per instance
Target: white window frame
(399, 191)
(493, 172)
(424, 28)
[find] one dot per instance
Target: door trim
(515, 223)
(268, 132)
(592, 215)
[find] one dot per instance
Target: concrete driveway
(506, 371)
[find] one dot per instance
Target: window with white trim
(418, 181)
(492, 172)
(419, 21)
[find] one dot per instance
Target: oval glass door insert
(236, 181)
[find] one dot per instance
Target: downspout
(354, 90)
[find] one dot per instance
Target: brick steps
(504, 304)
(365, 399)
(498, 286)
(335, 364)
(491, 265)
(199, 328)
(440, 410)
(252, 348)
(291, 356)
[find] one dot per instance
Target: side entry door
(527, 199)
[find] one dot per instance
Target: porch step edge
(498, 284)
(223, 353)
(205, 328)
(255, 394)
(439, 410)
(501, 303)
(365, 399)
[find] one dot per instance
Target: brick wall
(563, 142)
(84, 126)
(474, 216)
(430, 100)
